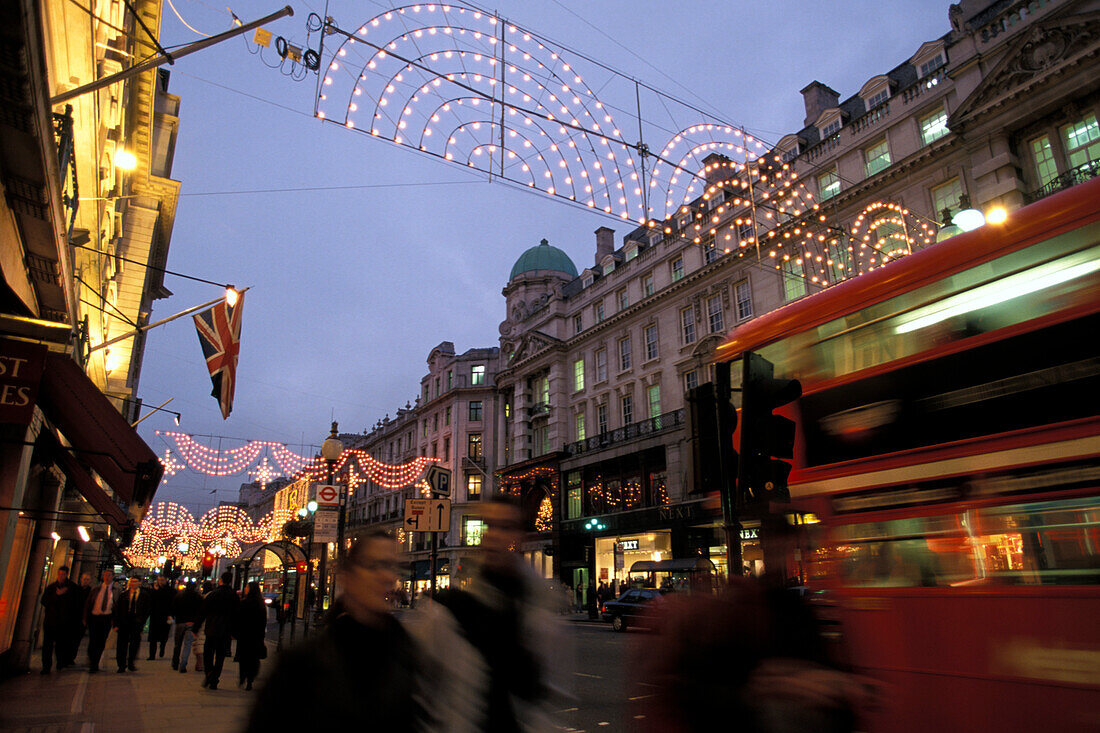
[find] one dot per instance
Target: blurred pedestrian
(492, 646)
(160, 611)
(130, 615)
(361, 669)
(185, 610)
(61, 601)
(81, 625)
(219, 609)
(98, 616)
(249, 629)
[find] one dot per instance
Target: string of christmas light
(544, 520)
(223, 529)
(215, 462)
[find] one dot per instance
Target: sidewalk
(154, 698)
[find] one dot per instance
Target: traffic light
(301, 567)
(765, 436)
(207, 564)
(712, 420)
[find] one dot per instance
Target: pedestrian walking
(131, 613)
(160, 612)
(61, 601)
(83, 590)
(98, 616)
(219, 609)
(361, 669)
(249, 630)
(186, 607)
(495, 650)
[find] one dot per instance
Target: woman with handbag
(250, 629)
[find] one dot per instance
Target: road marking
(638, 717)
(569, 710)
(603, 723)
(648, 684)
(593, 676)
(78, 698)
(639, 697)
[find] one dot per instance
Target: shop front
(615, 555)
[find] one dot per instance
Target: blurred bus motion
(948, 442)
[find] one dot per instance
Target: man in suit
(98, 614)
(160, 615)
(131, 612)
(60, 601)
(219, 609)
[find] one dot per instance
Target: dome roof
(543, 257)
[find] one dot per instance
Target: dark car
(632, 608)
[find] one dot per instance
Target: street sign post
(324, 523)
(328, 495)
(427, 515)
(440, 480)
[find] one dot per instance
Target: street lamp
(330, 451)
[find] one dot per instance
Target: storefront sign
(752, 533)
(628, 545)
(20, 373)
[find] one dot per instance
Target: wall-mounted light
(55, 536)
(968, 218)
(125, 160)
(82, 532)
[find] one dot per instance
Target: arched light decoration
(885, 231)
(231, 461)
(463, 84)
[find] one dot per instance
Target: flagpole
(161, 322)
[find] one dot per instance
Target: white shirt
(97, 607)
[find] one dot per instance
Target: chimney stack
(818, 98)
(717, 168)
(605, 243)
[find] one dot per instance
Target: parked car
(632, 608)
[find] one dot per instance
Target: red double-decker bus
(949, 444)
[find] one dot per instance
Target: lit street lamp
(330, 451)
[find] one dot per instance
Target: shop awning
(98, 434)
(91, 491)
(699, 564)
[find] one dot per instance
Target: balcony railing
(66, 165)
(1070, 178)
(633, 431)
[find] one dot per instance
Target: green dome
(543, 257)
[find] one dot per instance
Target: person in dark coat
(361, 670)
(130, 615)
(186, 607)
(81, 625)
(249, 630)
(219, 609)
(160, 611)
(61, 600)
(99, 616)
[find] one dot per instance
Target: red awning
(90, 490)
(98, 434)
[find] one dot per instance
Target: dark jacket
(362, 677)
(187, 606)
(133, 614)
(160, 607)
(219, 609)
(62, 604)
(250, 627)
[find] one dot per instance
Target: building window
(933, 126)
(424, 425)
(434, 454)
(587, 280)
(609, 267)
(573, 490)
(791, 154)
(710, 252)
(628, 409)
(743, 295)
(946, 196)
(714, 313)
(653, 397)
(878, 98)
(578, 422)
(631, 252)
(1045, 166)
(450, 379)
(473, 446)
(437, 386)
(473, 487)
(931, 65)
(578, 375)
(544, 389)
(542, 440)
(446, 448)
(622, 299)
(578, 323)
(477, 375)
(435, 422)
(677, 269)
(829, 129)
(601, 418)
(745, 231)
(828, 184)
(624, 354)
(687, 324)
(475, 411)
(691, 379)
(472, 529)
(794, 284)
(599, 311)
(1082, 141)
(651, 346)
(878, 157)
(447, 416)
(647, 286)
(601, 365)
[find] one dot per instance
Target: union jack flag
(220, 336)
